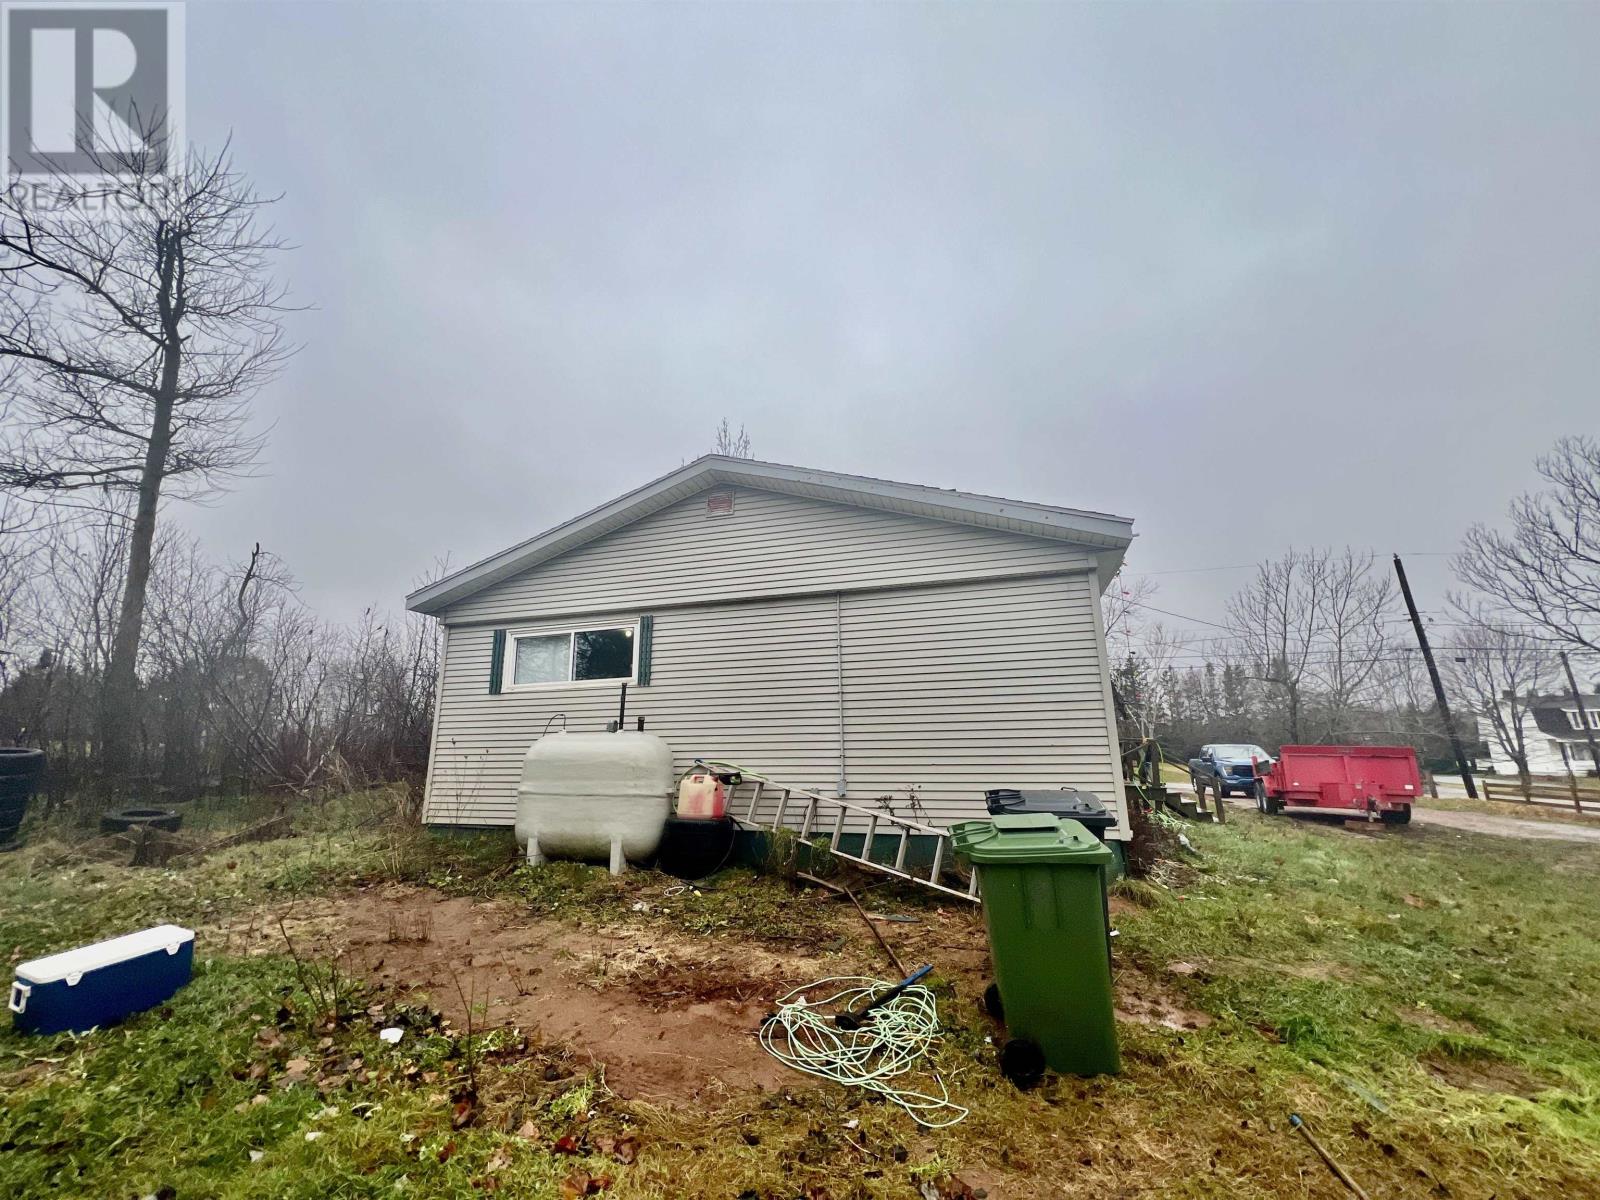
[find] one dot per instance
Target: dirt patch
(673, 1020)
(1142, 999)
(1514, 827)
(1493, 1075)
(1426, 1018)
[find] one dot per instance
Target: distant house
(901, 645)
(1550, 725)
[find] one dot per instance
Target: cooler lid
(1031, 837)
(72, 963)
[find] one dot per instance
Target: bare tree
(1546, 569)
(1502, 669)
(1353, 640)
(135, 343)
(734, 445)
(1275, 620)
(1122, 606)
(1313, 624)
(17, 546)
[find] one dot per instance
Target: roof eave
(1109, 536)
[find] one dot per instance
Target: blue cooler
(103, 983)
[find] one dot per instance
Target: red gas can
(702, 796)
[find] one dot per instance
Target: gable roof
(1105, 535)
(1550, 715)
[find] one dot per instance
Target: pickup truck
(1226, 767)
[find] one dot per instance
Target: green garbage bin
(1044, 902)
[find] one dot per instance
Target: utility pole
(1438, 685)
(1583, 715)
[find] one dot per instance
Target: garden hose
(804, 1034)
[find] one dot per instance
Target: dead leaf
(581, 1183)
(565, 1144)
(465, 1111)
(528, 1131)
(498, 1161)
(296, 1068)
(623, 1148)
(1414, 901)
(446, 1150)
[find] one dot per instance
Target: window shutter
(497, 658)
(646, 629)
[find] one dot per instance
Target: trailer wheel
(1398, 816)
(1261, 800)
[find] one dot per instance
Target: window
(541, 658)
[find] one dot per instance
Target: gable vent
(719, 504)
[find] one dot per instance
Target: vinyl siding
(949, 689)
(770, 545)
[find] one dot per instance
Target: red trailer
(1374, 781)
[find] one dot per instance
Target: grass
(1172, 772)
(1516, 809)
(1429, 1001)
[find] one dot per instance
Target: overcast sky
(1253, 275)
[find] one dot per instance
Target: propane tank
(594, 796)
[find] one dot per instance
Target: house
(907, 647)
(1550, 725)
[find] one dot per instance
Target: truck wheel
(1222, 792)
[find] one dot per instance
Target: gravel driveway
(1467, 822)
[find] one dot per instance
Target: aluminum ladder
(819, 806)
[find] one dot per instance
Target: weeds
(329, 991)
(1427, 1000)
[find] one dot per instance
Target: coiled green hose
(803, 1034)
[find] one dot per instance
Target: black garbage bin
(1067, 803)
(694, 848)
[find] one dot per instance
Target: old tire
(141, 818)
(20, 769)
(1022, 1062)
(992, 1004)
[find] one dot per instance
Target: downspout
(838, 659)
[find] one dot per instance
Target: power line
(1252, 565)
